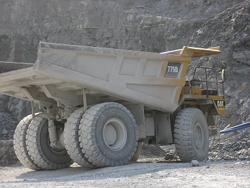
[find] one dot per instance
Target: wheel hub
(198, 136)
(110, 134)
(114, 134)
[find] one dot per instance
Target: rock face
(12, 110)
(7, 126)
(7, 154)
(144, 25)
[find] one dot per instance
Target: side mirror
(223, 75)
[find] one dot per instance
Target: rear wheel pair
(106, 135)
(32, 145)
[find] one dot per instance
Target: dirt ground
(149, 173)
(151, 170)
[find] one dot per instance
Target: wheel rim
(198, 136)
(114, 134)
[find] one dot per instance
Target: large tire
(191, 135)
(137, 152)
(108, 135)
(38, 146)
(71, 138)
(20, 143)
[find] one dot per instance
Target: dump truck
(100, 104)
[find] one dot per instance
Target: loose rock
(195, 163)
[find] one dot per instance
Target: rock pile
(230, 146)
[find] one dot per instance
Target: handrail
(235, 128)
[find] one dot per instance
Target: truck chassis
(100, 104)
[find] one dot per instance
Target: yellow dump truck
(100, 104)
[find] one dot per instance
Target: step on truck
(100, 104)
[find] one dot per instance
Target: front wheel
(108, 135)
(191, 135)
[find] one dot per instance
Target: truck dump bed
(61, 72)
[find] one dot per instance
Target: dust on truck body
(100, 104)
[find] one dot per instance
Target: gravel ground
(153, 169)
(151, 173)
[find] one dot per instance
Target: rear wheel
(108, 135)
(20, 143)
(71, 138)
(191, 135)
(38, 146)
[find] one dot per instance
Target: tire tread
(20, 147)
(88, 143)
(183, 133)
(71, 138)
(34, 146)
